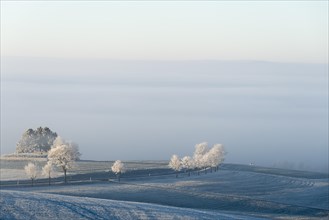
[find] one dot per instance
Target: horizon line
(167, 60)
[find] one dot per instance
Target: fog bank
(273, 114)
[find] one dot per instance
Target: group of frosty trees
(203, 158)
(32, 170)
(38, 140)
(62, 154)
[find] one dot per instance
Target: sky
(139, 80)
(293, 31)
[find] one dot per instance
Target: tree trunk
(49, 180)
(176, 174)
(32, 181)
(65, 181)
(119, 177)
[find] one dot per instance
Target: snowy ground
(234, 192)
(22, 205)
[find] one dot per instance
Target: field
(149, 190)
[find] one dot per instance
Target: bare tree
(118, 168)
(63, 154)
(47, 171)
(31, 171)
(175, 164)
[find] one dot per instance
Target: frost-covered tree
(118, 168)
(38, 140)
(175, 164)
(47, 170)
(214, 156)
(218, 155)
(63, 154)
(199, 156)
(31, 171)
(206, 161)
(187, 164)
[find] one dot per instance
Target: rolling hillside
(232, 192)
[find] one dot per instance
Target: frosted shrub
(31, 171)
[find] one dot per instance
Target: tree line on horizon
(202, 158)
(63, 154)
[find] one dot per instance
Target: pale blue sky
(256, 30)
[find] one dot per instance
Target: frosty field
(149, 190)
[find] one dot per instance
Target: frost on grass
(235, 189)
(23, 205)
